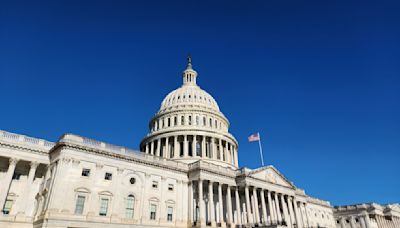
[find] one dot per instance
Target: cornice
(23, 148)
(129, 158)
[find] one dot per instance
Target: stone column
(213, 150)
(296, 213)
(278, 210)
(238, 211)
(147, 151)
(211, 202)
(23, 206)
(248, 206)
(166, 154)
(176, 147)
(220, 204)
(190, 220)
(285, 212)
(264, 207)
(158, 147)
(256, 211)
(352, 222)
(6, 182)
(342, 222)
(185, 147)
(229, 204)
(220, 150)
(152, 148)
(307, 218)
(203, 146)
(194, 146)
(228, 153)
(291, 213)
(201, 203)
(367, 222)
(271, 209)
(235, 156)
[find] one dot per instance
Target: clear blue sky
(319, 79)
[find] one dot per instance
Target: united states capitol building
(186, 174)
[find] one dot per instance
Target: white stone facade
(368, 216)
(186, 174)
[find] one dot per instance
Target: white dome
(189, 95)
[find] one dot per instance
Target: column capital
(34, 164)
(13, 161)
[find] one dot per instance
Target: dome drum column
(152, 148)
(203, 147)
(158, 147)
(176, 146)
(166, 153)
(220, 150)
(185, 147)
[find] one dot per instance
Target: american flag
(254, 137)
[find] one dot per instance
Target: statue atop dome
(189, 75)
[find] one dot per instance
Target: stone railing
(25, 140)
(119, 150)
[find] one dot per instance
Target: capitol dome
(190, 126)
(189, 95)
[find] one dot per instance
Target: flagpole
(261, 152)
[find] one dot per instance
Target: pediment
(272, 175)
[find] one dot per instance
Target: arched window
(130, 205)
(190, 120)
(210, 122)
(204, 121)
(182, 120)
(169, 122)
(175, 121)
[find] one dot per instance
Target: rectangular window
(85, 172)
(103, 207)
(108, 176)
(80, 203)
(7, 207)
(169, 214)
(153, 210)
(170, 187)
(155, 184)
(130, 204)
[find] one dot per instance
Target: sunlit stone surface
(186, 174)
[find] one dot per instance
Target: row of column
(245, 206)
(386, 223)
(6, 184)
(200, 146)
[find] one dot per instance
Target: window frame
(108, 176)
(170, 216)
(11, 204)
(154, 184)
(103, 209)
(83, 171)
(153, 214)
(81, 206)
(130, 208)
